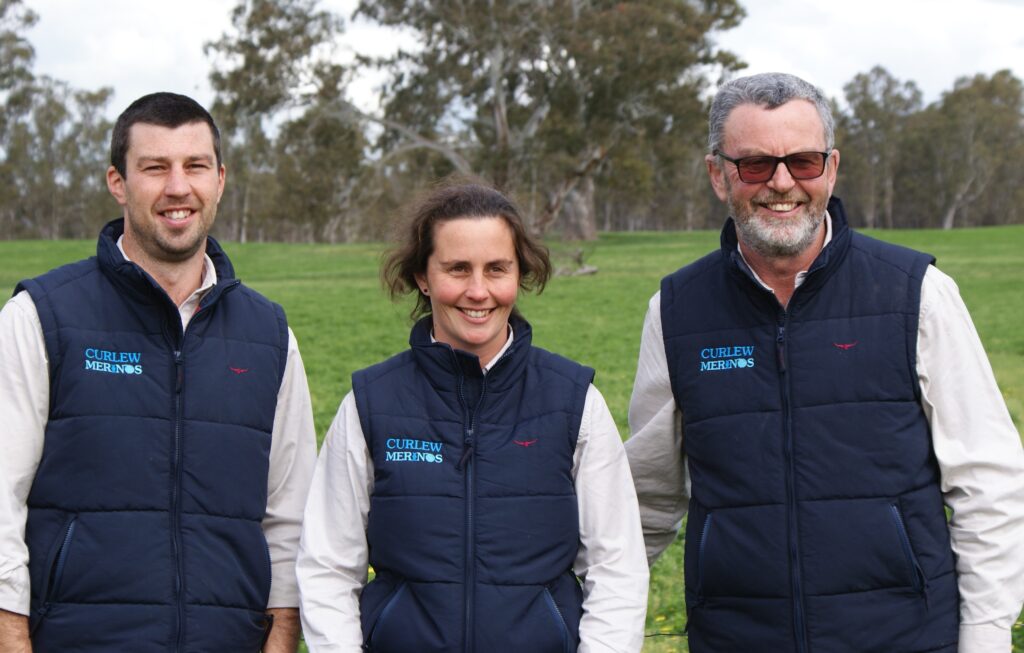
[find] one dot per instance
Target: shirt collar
(487, 367)
(191, 304)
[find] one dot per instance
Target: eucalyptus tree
(540, 96)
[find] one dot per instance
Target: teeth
(474, 313)
(782, 206)
(180, 214)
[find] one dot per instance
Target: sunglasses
(761, 168)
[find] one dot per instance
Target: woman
(482, 478)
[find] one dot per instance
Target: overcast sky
(140, 46)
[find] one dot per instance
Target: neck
(179, 279)
(779, 272)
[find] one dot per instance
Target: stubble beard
(159, 247)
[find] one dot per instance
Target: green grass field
(344, 322)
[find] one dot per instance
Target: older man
(157, 431)
(820, 398)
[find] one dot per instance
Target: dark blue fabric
(144, 516)
(473, 524)
(816, 522)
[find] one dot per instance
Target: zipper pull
(780, 348)
(180, 372)
(467, 451)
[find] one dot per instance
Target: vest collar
(134, 279)
(440, 360)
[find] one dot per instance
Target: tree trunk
(579, 214)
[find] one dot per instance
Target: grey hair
(769, 90)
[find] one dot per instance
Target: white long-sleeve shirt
(979, 452)
(333, 555)
(24, 409)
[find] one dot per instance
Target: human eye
(805, 163)
(755, 165)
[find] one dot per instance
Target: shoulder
(560, 365)
(905, 259)
(691, 273)
(58, 277)
(389, 367)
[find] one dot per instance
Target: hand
(14, 633)
(284, 636)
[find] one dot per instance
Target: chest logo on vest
(732, 357)
(525, 443)
(408, 450)
(113, 362)
(845, 346)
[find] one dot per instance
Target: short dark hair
(163, 109)
(454, 199)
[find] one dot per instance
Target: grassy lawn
(344, 322)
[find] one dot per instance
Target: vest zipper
(791, 498)
(179, 574)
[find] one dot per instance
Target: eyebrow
(454, 261)
(205, 158)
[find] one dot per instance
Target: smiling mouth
(176, 215)
(478, 313)
(781, 207)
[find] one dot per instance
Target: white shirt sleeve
(333, 554)
(292, 459)
(611, 561)
(24, 409)
(655, 446)
(981, 463)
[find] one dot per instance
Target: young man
(818, 398)
(158, 431)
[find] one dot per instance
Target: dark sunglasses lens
(806, 165)
(753, 169)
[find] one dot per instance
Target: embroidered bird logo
(526, 443)
(845, 346)
(238, 370)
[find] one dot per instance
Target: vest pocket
(916, 574)
(559, 619)
(701, 557)
(57, 561)
(389, 604)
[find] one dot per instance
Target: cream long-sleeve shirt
(333, 555)
(978, 450)
(24, 408)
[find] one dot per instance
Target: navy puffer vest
(816, 523)
(144, 516)
(473, 524)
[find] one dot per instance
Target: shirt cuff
(284, 586)
(984, 638)
(15, 592)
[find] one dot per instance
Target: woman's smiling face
(472, 279)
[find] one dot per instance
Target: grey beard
(772, 242)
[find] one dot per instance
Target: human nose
(177, 183)
(477, 289)
(781, 180)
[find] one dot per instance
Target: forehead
(188, 140)
(791, 127)
(486, 238)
